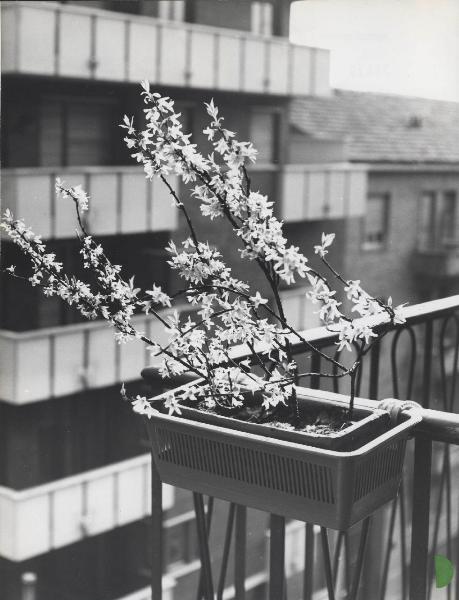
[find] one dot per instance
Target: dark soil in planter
(318, 421)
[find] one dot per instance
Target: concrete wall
(303, 149)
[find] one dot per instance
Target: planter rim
(413, 417)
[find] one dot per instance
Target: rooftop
(382, 127)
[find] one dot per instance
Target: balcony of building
(53, 515)
(124, 200)
(57, 361)
(55, 40)
(323, 191)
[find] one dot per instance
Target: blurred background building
(382, 172)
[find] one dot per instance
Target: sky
(408, 47)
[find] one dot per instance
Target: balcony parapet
(122, 200)
(323, 191)
(308, 192)
(49, 516)
(51, 39)
(168, 584)
(57, 361)
(438, 263)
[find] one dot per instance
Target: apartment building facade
(408, 239)
(74, 463)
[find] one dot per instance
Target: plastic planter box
(328, 487)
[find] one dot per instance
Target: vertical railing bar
(339, 543)
(315, 368)
(341, 579)
(276, 558)
(359, 378)
(448, 405)
(457, 557)
(436, 528)
(387, 554)
(420, 519)
(240, 548)
(204, 555)
(308, 573)
(360, 558)
(403, 552)
(374, 371)
(449, 546)
(347, 561)
(156, 519)
(226, 551)
(210, 508)
(327, 563)
(427, 366)
(406, 394)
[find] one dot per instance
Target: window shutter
(51, 133)
(88, 134)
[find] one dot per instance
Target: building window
(438, 220)
(262, 18)
(376, 221)
(263, 134)
(172, 10)
(76, 132)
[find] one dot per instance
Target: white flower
(141, 406)
(258, 299)
(327, 240)
(157, 297)
(353, 289)
(212, 110)
(80, 197)
(171, 402)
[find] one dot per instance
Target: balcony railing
(438, 262)
(390, 555)
(122, 200)
(315, 192)
(53, 362)
(42, 38)
(55, 514)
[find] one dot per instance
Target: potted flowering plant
(243, 425)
